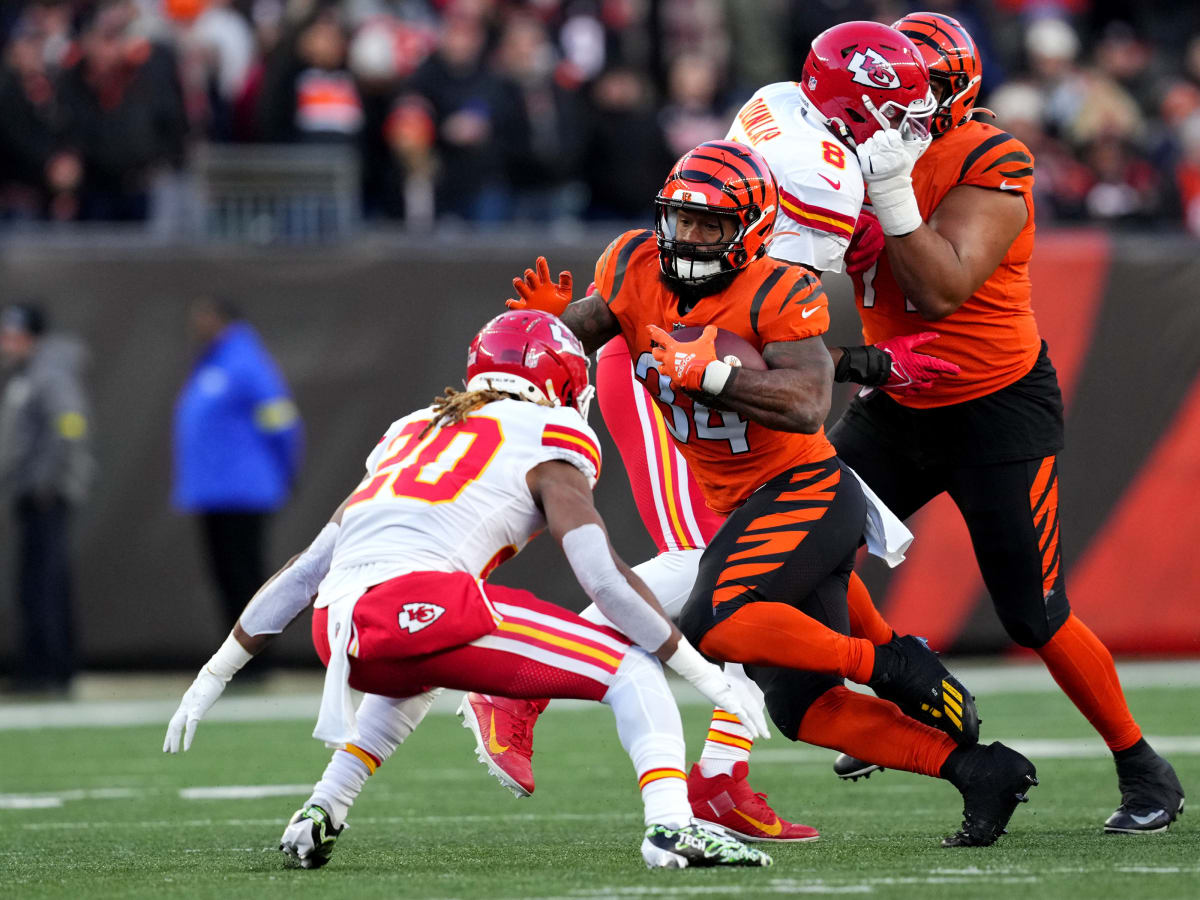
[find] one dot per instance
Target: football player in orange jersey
(959, 227)
(771, 590)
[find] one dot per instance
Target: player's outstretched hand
(913, 372)
(684, 362)
(196, 703)
(537, 291)
(865, 245)
(734, 697)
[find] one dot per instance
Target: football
(731, 348)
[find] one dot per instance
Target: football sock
(383, 725)
(728, 741)
(865, 620)
(776, 634)
(652, 734)
(874, 730)
(1084, 669)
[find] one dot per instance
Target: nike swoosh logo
(1141, 820)
(772, 829)
(493, 745)
(836, 185)
(1005, 186)
(808, 311)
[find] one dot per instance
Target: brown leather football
(728, 344)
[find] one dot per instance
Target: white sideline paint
(1035, 749)
(1010, 678)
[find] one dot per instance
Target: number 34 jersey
(767, 302)
(456, 500)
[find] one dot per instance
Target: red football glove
(865, 244)
(684, 362)
(913, 372)
(537, 291)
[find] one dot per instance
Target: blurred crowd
(549, 110)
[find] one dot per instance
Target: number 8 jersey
(456, 500)
(766, 302)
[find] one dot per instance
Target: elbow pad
(281, 600)
(586, 549)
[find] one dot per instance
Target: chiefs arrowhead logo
(415, 616)
(873, 70)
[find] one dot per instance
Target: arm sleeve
(283, 598)
(586, 549)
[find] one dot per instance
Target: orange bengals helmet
(856, 62)
(726, 179)
(953, 62)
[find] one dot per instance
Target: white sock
(729, 741)
(652, 734)
(383, 725)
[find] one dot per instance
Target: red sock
(775, 634)
(1084, 669)
(865, 620)
(874, 730)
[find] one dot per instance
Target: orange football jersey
(768, 301)
(993, 336)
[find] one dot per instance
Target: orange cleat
(730, 804)
(503, 732)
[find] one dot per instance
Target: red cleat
(503, 730)
(729, 803)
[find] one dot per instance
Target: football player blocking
(402, 608)
(958, 226)
(771, 586)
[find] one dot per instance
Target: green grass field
(101, 812)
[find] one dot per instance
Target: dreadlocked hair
(454, 406)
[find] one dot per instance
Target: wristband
(716, 376)
(687, 662)
(229, 658)
(867, 365)
(895, 205)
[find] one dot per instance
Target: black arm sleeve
(867, 365)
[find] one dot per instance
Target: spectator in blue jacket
(238, 444)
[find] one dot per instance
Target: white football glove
(196, 703)
(725, 693)
(208, 686)
(887, 162)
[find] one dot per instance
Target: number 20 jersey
(457, 500)
(767, 302)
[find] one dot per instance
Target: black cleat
(848, 768)
(308, 840)
(1151, 795)
(910, 675)
(695, 847)
(993, 779)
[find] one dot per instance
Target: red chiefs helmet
(864, 77)
(953, 62)
(531, 354)
(722, 178)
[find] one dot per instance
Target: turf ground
(99, 811)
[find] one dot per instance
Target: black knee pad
(1034, 628)
(789, 694)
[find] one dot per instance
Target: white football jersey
(820, 184)
(456, 499)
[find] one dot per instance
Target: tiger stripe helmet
(724, 178)
(953, 61)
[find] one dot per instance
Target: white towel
(887, 537)
(336, 722)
